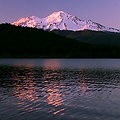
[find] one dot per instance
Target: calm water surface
(59, 89)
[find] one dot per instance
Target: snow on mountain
(62, 21)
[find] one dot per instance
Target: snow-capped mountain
(62, 21)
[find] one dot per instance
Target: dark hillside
(36, 43)
(29, 42)
(92, 37)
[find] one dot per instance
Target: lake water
(59, 89)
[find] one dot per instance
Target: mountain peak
(63, 21)
(57, 14)
(60, 12)
(56, 17)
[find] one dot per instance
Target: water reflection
(54, 98)
(83, 84)
(52, 92)
(25, 89)
(53, 64)
(51, 80)
(83, 87)
(28, 88)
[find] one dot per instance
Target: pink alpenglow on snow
(61, 21)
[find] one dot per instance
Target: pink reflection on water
(53, 95)
(53, 64)
(54, 98)
(83, 85)
(25, 90)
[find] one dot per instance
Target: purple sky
(105, 12)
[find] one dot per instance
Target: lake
(59, 89)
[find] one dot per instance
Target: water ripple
(46, 92)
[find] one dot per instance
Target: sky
(105, 12)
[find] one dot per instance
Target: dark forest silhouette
(37, 43)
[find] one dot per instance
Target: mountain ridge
(61, 21)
